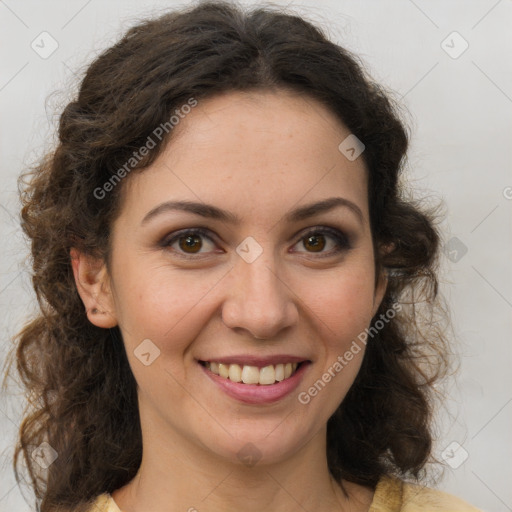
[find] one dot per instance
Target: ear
(380, 290)
(382, 279)
(93, 285)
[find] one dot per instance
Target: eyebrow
(213, 212)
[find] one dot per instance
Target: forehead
(259, 153)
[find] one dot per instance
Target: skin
(239, 152)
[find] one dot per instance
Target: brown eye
(190, 243)
(325, 241)
(314, 243)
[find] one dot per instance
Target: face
(251, 275)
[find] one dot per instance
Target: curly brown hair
(80, 388)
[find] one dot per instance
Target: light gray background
(461, 116)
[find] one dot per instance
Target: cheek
(343, 305)
(163, 306)
(342, 310)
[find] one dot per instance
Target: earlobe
(93, 285)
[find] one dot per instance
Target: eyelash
(341, 240)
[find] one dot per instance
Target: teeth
(235, 373)
(252, 374)
(279, 372)
(267, 375)
(223, 370)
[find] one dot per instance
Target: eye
(317, 239)
(188, 242)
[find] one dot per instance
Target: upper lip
(259, 361)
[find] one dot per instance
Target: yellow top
(391, 495)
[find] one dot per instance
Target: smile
(249, 374)
(257, 385)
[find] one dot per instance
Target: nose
(259, 300)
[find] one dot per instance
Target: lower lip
(257, 393)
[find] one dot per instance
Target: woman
(233, 288)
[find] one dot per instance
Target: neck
(176, 474)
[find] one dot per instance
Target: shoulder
(104, 503)
(391, 495)
(394, 495)
(419, 498)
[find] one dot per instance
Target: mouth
(253, 375)
(258, 383)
